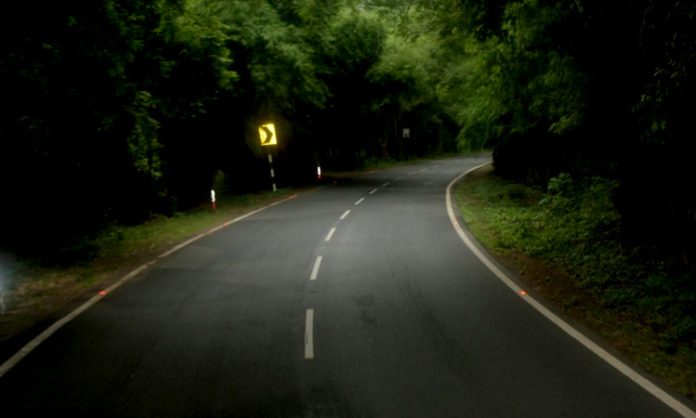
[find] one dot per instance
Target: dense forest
(116, 110)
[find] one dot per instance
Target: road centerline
(346, 213)
(373, 191)
(309, 335)
(330, 234)
(359, 201)
(315, 270)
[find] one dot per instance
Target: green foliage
(204, 35)
(220, 183)
(581, 87)
(473, 93)
(574, 226)
(143, 146)
(511, 82)
(356, 43)
(163, 94)
(272, 53)
(142, 102)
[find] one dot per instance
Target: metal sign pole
(267, 134)
(270, 162)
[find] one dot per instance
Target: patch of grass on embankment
(39, 294)
(564, 242)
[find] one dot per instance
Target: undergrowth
(573, 225)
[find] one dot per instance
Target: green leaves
(356, 42)
(143, 145)
(409, 67)
(203, 35)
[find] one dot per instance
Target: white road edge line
(38, 340)
(359, 201)
(330, 234)
(373, 191)
(315, 270)
(622, 367)
(346, 213)
(309, 335)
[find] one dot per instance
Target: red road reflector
(522, 293)
(102, 293)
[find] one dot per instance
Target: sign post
(267, 134)
(270, 162)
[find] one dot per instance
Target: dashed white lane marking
(315, 270)
(623, 368)
(309, 335)
(38, 340)
(398, 178)
(373, 191)
(359, 201)
(424, 170)
(330, 234)
(413, 173)
(385, 184)
(346, 213)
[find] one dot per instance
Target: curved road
(357, 300)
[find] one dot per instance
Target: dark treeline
(592, 88)
(592, 101)
(116, 110)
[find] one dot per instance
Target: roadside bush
(574, 224)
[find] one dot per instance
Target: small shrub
(561, 185)
(220, 183)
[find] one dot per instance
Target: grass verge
(37, 295)
(564, 243)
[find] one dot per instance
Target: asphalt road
(308, 310)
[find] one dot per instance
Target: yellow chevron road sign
(267, 133)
